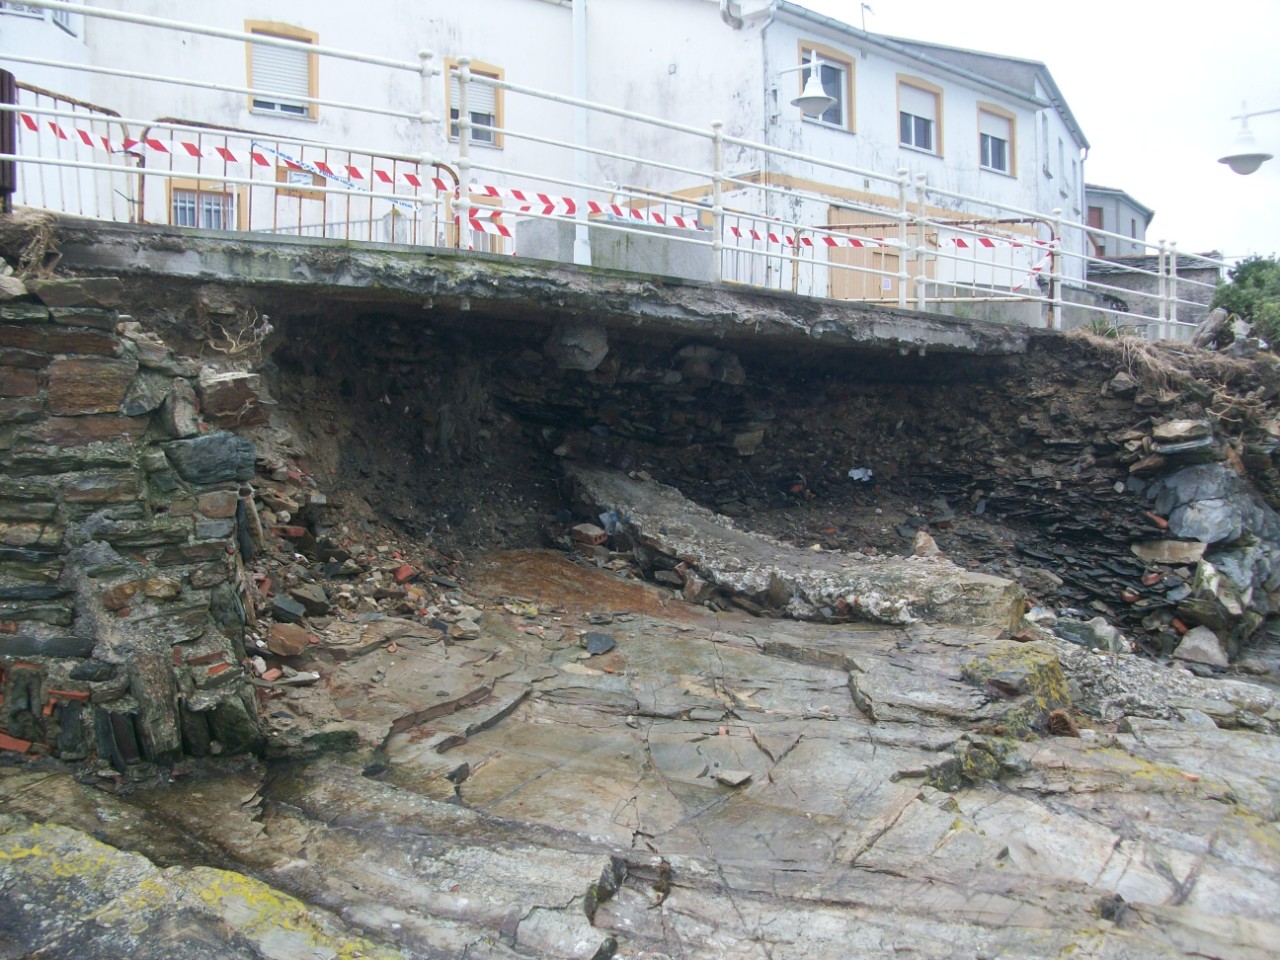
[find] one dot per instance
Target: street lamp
(1247, 158)
(813, 101)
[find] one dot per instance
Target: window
(1062, 167)
(918, 113)
(63, 19)
(484, 103)
(204, 205)
(282, 76)
(837, 83)
(995, 138)
(1133, 228)
(22, 10)
(1095, 221)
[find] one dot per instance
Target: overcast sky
(1153, 85)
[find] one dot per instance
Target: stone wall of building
(122, 535)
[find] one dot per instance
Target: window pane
(833, 85)
(995, 153)
(184, 208)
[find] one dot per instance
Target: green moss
(1030, 677)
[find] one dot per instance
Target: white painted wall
(673, 58)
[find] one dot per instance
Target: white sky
(1152, 84)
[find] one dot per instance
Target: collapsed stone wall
(121, 532)
(1111, 479)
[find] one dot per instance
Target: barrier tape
(253, 157)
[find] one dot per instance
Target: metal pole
(921, 293)
(1055, 275)
(1173, 290)
(1162, 287)
(8, 141)
(462, 213)
(717, 198)
(581, 132)
(904, 181)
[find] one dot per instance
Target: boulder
(1201, 645)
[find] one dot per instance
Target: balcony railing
(698, 202)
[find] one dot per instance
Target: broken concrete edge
(897, 591)
(488, 282)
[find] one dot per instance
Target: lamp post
(1247, 158)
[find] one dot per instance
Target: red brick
(13, 743)
(589, 534)
(275, 673)
(218, 668)
(69, 694)
(404, 572)
(289, 532)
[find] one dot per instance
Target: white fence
(686, 211)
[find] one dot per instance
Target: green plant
(1253, 292)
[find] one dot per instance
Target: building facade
(979, 129)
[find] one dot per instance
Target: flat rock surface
(897, 590)
(715, 785)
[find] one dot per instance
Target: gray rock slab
(212, 458)
(882, 589)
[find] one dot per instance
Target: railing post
(1172, 332)
(425, 118)
(904, 278)
(717, 199)
(1056, 273)
(463, 214)
(1162, 288)
(8, 141)
(921, 292)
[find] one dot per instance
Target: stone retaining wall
(121, 532)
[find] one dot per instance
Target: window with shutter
(995, 138)
(484, 104)
(282, 77)
(919, 108)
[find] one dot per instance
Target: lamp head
(1247, 158)
(813, 100)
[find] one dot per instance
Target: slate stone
(213, 458)
(21, 645)
(80, 292)
(93, 671)
(598, 643)
(1201, 645)
(32, 592)
(311, 596)
(146, 393)
(287, 610)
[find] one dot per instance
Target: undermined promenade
(373, 602)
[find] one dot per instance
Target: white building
(988, 129)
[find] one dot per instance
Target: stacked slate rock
(121, 613)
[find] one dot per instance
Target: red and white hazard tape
(553, 205)
(791, 240)
(185, 148)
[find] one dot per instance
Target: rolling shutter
(917, 102)
(277, 70)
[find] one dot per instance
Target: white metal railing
(696, 201)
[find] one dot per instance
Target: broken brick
(13, 743)
(589, 534)
(404, 572)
